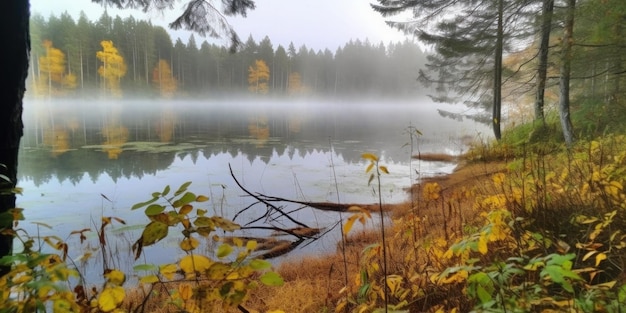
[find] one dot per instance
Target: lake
(84, 159)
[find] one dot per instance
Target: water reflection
(75, 151)
(66, 142)
(81, 160)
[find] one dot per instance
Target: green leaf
(143, 204)
(224, 250)
(271, 279)
(182, 188)
(185, 199)
(154, 209)
(203, 221)
(145, 267)
(258, 264)
(165, 191)
(154, 232)
(621, 294)
(483, 295)
(363, 291)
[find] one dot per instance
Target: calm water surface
(81, 160)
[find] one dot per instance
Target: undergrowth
(44, 276)
(546, 235)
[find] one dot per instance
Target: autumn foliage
(258, 77)
(113, 68)
(53, 79)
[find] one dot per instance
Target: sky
(318, 24)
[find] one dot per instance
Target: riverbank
(317, 283)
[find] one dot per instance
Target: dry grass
(312, 283)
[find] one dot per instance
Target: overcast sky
(318, 24)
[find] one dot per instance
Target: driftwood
(323, 206)
(271, 247)
(274, 208)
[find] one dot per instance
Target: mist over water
(83, 159)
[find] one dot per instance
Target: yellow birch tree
(163, 79)
(113, 68)
(53, 79)
(258, 77)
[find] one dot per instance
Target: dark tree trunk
(546, 27)
(564, 79)
(497, 81)
(14, 34)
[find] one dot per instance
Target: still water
(81, 160)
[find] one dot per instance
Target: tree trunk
(546, 26)
(14, 30)
(564, 79)
(497, 81)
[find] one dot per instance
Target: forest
(531, 221)
(142, 60)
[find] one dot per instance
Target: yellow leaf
(62, 305)
(168, 270)
(185, 291)
(20, 279)
(110, 298)
(224, 250)
(251, 245)
(393, 281)
(482, 244)
(189, 244)
(369, 167)
(195, 263)
(369, 156)
(150, 279)
(589, 254)
(238, 242)
(201, 198)
(115, 277)
(348, 225)
(383, 169)
(599, 258)
(340, 307)
(185, 209)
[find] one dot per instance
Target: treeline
(68, 59)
